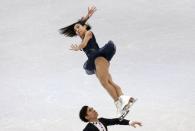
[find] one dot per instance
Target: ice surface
(43, 84)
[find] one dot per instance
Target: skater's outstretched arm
(88, 34)
(70, 30)
(91, 10)
(116, 121)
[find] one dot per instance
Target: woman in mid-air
(98, 61)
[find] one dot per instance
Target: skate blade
(130, 104)
(123, 115)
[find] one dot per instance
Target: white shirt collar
(99, 125)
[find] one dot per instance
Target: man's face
(91, 114)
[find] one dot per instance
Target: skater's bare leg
(118, 89)
(102, 74)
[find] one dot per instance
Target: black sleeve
(114, 121)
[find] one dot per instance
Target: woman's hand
(91, 10)
(74, 47)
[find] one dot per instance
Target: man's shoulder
(87, 127)
(105, 119)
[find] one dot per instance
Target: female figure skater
(98, 59)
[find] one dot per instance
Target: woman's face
(80, 29)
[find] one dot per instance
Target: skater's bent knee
(104, 81)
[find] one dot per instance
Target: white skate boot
(126, 103)
(118, 108)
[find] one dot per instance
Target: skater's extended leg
(124, 100)
(102, 74)
(118, 89)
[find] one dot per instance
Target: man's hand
(135, 124)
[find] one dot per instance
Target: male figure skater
(88, 114)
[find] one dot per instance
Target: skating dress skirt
(93, 51)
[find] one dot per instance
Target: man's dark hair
(69, 30)
(83, 113)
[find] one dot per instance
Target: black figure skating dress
(93, 51)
